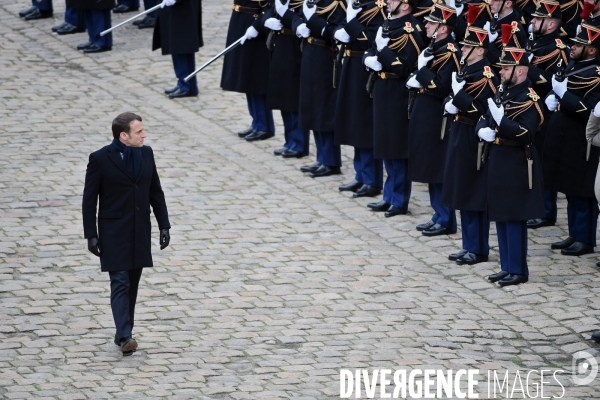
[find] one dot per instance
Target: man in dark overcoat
(123, 177)
(97, 17)
(178, 32)
(514, 170)
(506, 15)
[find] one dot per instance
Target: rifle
(309, 4)
(412, 93)
(271, 36)
(385, 32)
(340, 54)
(492, 123)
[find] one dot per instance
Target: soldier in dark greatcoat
(571, 17)
(465, 177)
(504, 14)
(514, 169)
(570, 162)
(354, 108)
(97, 19)
(393, 58)
(246, 68)
(481, 11)
(427, 137)
(549, 55)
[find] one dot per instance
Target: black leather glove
(165, 238)
(94, 246)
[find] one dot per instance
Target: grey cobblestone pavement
(273, 281)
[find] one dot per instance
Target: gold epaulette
(533, 95)
(487, 72)
(560, 44)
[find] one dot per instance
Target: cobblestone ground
(273, 281)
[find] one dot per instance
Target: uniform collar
(517, 89)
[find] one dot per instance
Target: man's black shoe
(55, 28)
(128, 346)
(350, 187)
(38, 14)
(436, 230)
(94, 48)
(512, 279)
(596, 337)
(310, 168)
(471, 258)
(539, 222)
(563, 244)
(171, 90)
(426, 225)
(180, 93)
(23, 13)
(498, 276)
(379, 206)
(259, 135)
(367, 191)
(292, 154)
(243, 133)
(324, 170)
(456, 256)
(279, 152)
(394, 210)
(147, 22)
(84, 46)
(68, 29)
(577, 249)
(122, 8)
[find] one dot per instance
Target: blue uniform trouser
(97, 21)
(328, 153)
(75, 17)
(123, 295)
(582, 214)
(296, 138)
(148, 4)
(397, 186)
(262, 119)
(43, 5)
(550, 205)
(512, 243)
(445, 216)
(369, 171)
(185, 64)
(475, 232)
(129, 3)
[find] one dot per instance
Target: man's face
(576, 50)
(430, 28)
(537, 22)
(505, 75)
(392, 5)
(495, 6)
(136, 135)
(465, 51)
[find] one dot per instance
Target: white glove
(308, 11)
(530, 57)
(251, 33)
(423, 60)
(281, 8)
(458, 9)
(559, 88)
(413, 83)
(380, 41)
(578, 29)
(552, 103)
(496, 111)
(167, 3)
(456, 85)
(302, 31)
(597, 110)
(273, 24)
(530, 28)
(372, 63)
(351, 13)
(451, 108)
(342, 35)
(487, 134)
(492, 36)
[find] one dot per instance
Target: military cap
(514, 56)
(442, 14)
(476, 37)
(588, 35)
(547, 9)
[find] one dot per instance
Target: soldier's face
(505, 75)
(430, 28)
(465, 51)
(576, 50)
(136, 135)
(537, 22)
(495, 6)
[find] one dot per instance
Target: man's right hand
(167, 3)
(94, 246)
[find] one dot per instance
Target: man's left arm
(157, 198)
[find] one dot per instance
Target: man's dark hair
(121, 123)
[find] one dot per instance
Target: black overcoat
(426, 148)
(354, 111)
(178, 28)
(124, 212)
(509, 197)
(246, 68)
(92, 4)
(565, 167)
(465, 187)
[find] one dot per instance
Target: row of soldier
(484, 102)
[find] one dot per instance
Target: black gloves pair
(94, 243)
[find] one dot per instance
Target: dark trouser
(129, 3)
(369, 171)
(123, 294)
(475, 232)
(550, 205)
(185, 64)
(75, 17)
(512, 243)
(97, 21)
(296, 138)
(262, 119)
(582, 214)
(445, 216)
(397, 186)
(328, 153)
(148, 4)
(43, 5)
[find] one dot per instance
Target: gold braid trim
(523, 3)
(398, 43)
(521, 107)
(542, 59)
(412, 39)
(261, 3)
(476, 88)
(570, 4)
(591, 83)
(441, 60)
(331, 8)
(367, 16)
(296, 4)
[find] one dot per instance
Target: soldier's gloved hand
(459, 9)
(597, 110)
(530, 57)
(423, 60)
(165, 238)
(308, 11)
(373, 63)
(559, 88)
(251, 33)
(167, 3)
(351, 13)
(281, 8)
(496, 111)
(487, 134)
(413, 83)
(273, 24)
(552, 102)
(456, 85)
(380, 41)
(302, 31)
(94, 246)
(451, 108)
(491, 35)
(342, 35)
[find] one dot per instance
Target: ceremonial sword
(215, 58)
(148, 11)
